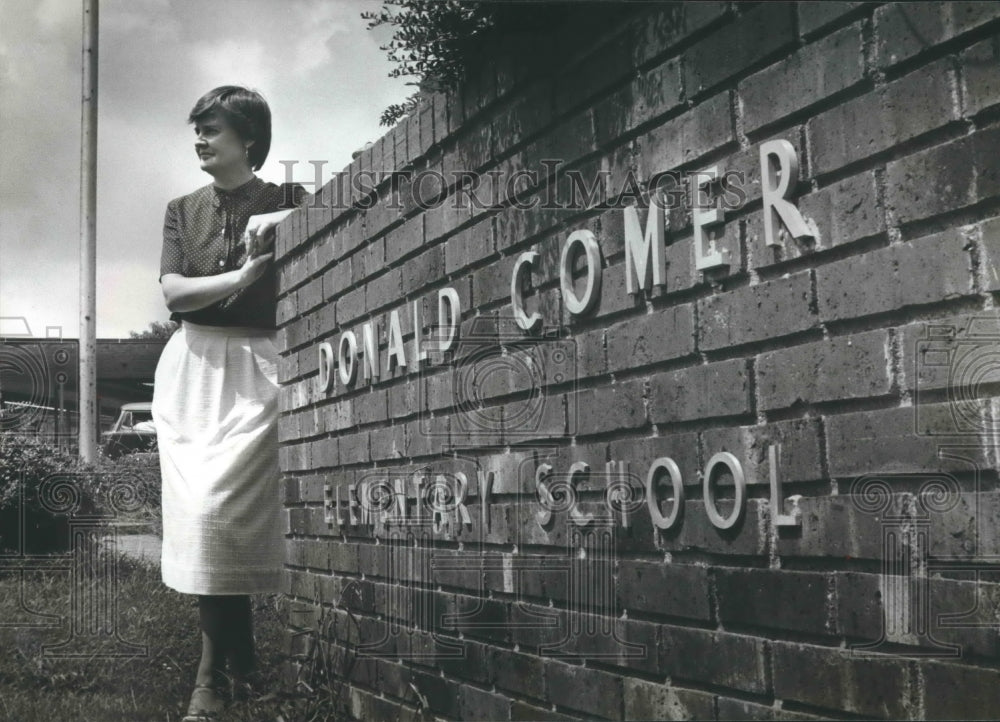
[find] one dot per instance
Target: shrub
(432, 41)
(50, 487)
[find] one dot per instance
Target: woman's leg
(213, 615)
(207, 700)
(240, 647)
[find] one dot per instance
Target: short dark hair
(246, 111)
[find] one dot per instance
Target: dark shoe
(206, 704)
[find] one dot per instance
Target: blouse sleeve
(172, 255)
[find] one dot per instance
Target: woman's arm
(259, 234)
(184, 293)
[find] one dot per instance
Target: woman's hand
(253, 268)
(259, 234)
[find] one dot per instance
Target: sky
(320, 69)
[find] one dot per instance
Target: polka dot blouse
(203, 236)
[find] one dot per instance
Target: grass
(154, 685)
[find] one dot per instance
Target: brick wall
(855, 366)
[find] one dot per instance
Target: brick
(338, 280)
(817, 71)
(895, 441)
(699, 392)
(718, 658)
(382, 291)
(775, 599)
(838, 527)
(750, 537)
(492, 283)
(859, 607)
(989, 232)
(294, 457)
(427, 436)
(516, 225)
(326, 453)
(388, 442)
(422, 270)
(438, 691)
(287, 309)
(479, 89)
(799, 456)
(354, 448)
(650, 95)
(663, 335)
(567, 142)
(816, 16)
(590, 354)
(959, 691)
(453, 103)
(844, 212)
(662, 26)
(845, 367)
(836, 679)
(755, 313)
(523, 712)
(981, 82)
(584, 689)
(935, 625)
(336, 416)
(599, 71)
(477, 704)
(705, 128)
(381, 214)
(403, 400)
(631, 645)
(945, 178)
(969, 529)
(730, 50)
(618, 406)
(524, 118)
(941, 353)
(404, 240)
(367, 262)
(521, 674)
(744, 165)
(471, 663)
(292, 273)
(640, 454)
(442, 218)
(904, 109)
(672, 590)
(468, 247)
(649, 701)
(310, 295)
(902, 31)
(613, 297)
(730, 708)
(926, 270)
(351, 305)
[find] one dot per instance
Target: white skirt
(215, 407)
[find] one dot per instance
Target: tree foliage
(156, 330)
(432, 42)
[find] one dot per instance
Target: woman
(215, 398)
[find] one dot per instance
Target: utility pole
(88, 238)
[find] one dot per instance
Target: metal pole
(88, 238)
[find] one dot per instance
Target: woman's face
(219, 146)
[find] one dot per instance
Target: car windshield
(130, 419)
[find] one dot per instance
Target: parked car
(132, 432)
